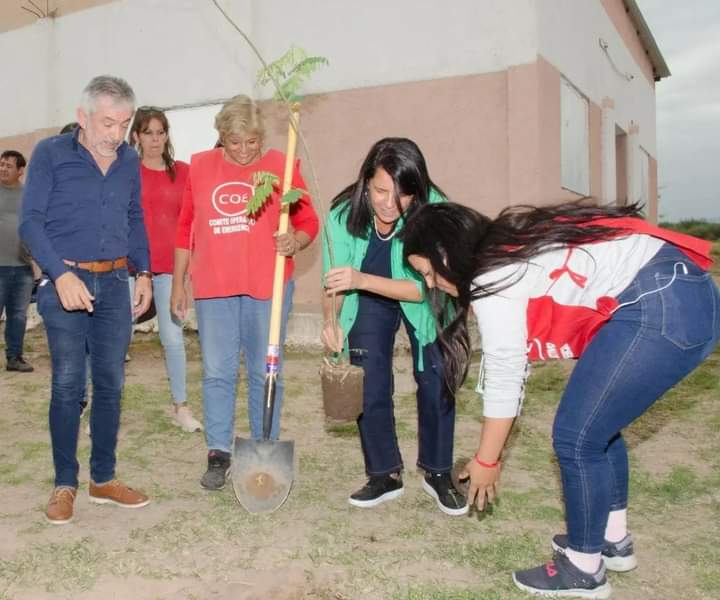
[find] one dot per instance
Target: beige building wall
(653, 176)
(491, 137)
(620, 18)
(490, 140)
(460, 123)
(12, 16)
(25, 143)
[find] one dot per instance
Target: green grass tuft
(56, 566)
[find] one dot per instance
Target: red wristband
(482, 463)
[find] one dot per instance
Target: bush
(697, 227)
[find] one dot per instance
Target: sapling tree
(287, 73)
(342, 382)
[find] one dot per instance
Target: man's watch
(147, 274)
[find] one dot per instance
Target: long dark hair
(402, 160)
(462, 244)
(143, 116)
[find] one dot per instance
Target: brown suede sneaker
(116, 492)
(60, 507)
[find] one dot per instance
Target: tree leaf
(261, 177)
(290, 72)
(292, 196)
(264, 182)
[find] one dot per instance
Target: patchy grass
(441, 593)
(56, 567)
(190, 543)
(680, 487)
(342, 429)
(685, 401)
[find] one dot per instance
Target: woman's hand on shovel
(286, 244)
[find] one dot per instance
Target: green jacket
(350, 251)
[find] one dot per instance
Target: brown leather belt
(99, 266)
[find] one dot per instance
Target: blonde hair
(240, 114)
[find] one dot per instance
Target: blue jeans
(171, 337)
(15, 290)
(131, 289)
(647, 347)
(372, 339)
(105, 335)
(227, 327)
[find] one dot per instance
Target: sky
(688, 106)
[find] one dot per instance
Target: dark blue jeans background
(15, 290)
(371, 340)
(645, 349)
(104, 334)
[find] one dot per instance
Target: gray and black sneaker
(378, 489)
(441, 488)
(217, 470)
(559, 578)
(618, 556)
(18, 363)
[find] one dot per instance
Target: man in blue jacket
(83, 222)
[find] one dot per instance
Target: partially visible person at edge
(163, 182)
(376, 291)
(634, 304)
(83, 222)
(68, 127)
(16, 274)
(231, 257)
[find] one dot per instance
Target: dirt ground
(193, 544)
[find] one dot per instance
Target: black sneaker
(559, 578)
(17, 363)
(378, 489)
(448, 499)
(217, 470)
(618, 556)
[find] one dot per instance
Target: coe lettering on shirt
(230, 200)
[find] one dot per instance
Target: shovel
(263, 470)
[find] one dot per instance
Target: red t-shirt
(233, 254)
(161, 202)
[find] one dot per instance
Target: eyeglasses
(149, 109)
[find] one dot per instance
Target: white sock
(589, 563)
(616, 529)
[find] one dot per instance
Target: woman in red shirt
(163, 181)
(231, 257)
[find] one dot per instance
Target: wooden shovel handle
(279, 277)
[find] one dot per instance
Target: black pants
(371, 341)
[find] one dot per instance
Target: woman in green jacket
(376, 290)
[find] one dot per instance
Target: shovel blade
(262, 473)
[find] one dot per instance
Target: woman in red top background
(231, 257)
(163, 181)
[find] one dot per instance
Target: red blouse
(161, 202)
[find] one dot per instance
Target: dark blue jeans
(371, 340)
(104, 335)
(648, 346)
(15, 289)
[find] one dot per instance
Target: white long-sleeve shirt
(551, 309)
